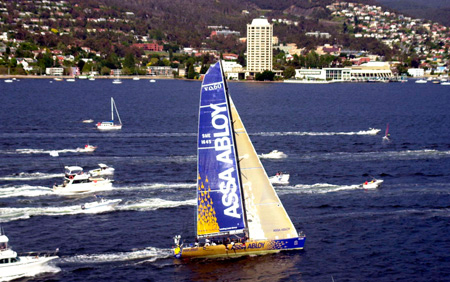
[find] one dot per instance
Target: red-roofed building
(149, 46)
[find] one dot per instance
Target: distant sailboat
(238, 211)
(109, 125)
(386, 134)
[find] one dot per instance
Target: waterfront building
(416, 72)
(259, 46)
(364, 72)
(161, 70)
(54, 71)
(232, 70)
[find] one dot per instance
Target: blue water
(399, 232)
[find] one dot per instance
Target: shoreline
(31, 76)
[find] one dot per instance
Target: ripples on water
(398, 232)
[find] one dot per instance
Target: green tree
(191, 72)
(129, 61)
(265, 75)
(289, 72)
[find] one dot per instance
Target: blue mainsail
(219, 199)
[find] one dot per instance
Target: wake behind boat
(13, 266)
(110, 125)
(76, 181)
(238, 210)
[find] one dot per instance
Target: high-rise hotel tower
(259, 45)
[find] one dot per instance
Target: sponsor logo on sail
(222, 145)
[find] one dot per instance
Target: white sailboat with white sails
(110, 125)
(238, 211)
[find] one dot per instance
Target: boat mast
(112, 109)
(244, 212)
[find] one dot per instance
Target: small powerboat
(13, 266)
(87, 149)
(103, 170)
(280, 178)
(76, 181)
(100, 205)
(275, 154)
(88, 121)
(373, 184)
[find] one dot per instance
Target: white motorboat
(136, 78)
(103, 170)
(152, 80)
(76, 181)
(88, 121)
(117, 81)
(421, 81)
(8, 80)
(275, 154)
(280, 178)
(70, 80)
(87, 149)
(100, 205)
(445, 83)
(13, 266)
(110, 125)
(374, 183)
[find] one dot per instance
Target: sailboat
(8, 80)
(238, 210)
(109, 125)
(386, 134)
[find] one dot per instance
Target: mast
(112, 109)
(227, 95)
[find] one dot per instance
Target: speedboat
(421, 81)
(275, 154)
(13, 266)
(87, 149)
(103, 170)
(76, 181)
(152, 80)
(117, 81)
(374, 183)
(88, 121)
(280, 178)
(100, 204)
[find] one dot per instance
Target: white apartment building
(259, 46)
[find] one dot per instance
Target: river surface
(399, 232)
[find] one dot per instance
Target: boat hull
(373, 185)
(28, 266)
(109, 127)
(251, 247)
(83, 187)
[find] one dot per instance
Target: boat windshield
(3, 246)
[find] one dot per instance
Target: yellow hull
(259, 247)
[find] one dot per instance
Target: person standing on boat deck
(207, 242)
(196, 242)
